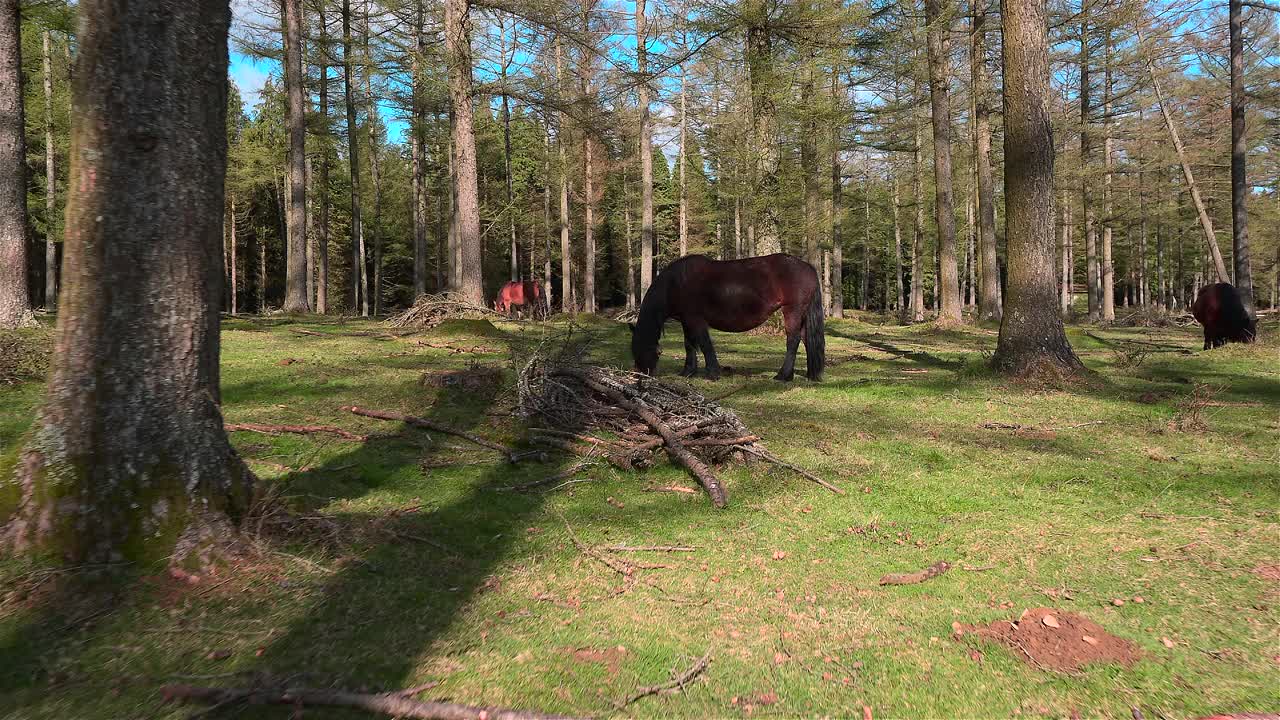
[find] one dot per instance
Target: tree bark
(353, 159)
(546, 216)
(14, 303)
(917, 243)
(1066, 256)
(761, 76)
(897, 248)
(566, 259)
(322, 234)
(1239, 155)
(590, 195)
(1093, 286)
(646, 153)
(419, 161)
(506, 148)
(1108, 160)
(682, 160)
(50, 183)
(837, 242)
(988, 272)
(234, 264)
(295, 295)
(457, 49)
(938, 13)
(139, 469)
(374, 168)
(1031, 332)
(1206, 224)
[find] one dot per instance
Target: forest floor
(1154, 483)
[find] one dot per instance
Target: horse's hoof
(782, 378)
(688, 372)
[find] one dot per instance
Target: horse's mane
(653, 309)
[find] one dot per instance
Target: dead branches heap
(627, 418)
(431, 310)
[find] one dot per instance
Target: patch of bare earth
(1054, 640)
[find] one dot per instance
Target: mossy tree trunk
(1031, 332)
(128, 459)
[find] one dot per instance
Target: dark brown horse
(733, 296)
(521, 294)
(1219, 310)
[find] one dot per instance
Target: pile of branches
(431, 310)
(626, 419)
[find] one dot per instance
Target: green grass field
(1157, 478)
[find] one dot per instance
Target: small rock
(1050, 621)
(1117, 602)
(779, 555)
(1089, 639)
(1166, 642)
(1139, 600)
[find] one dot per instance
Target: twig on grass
(676, 684)
(919, 576)
(770, 457)
(511, 454)
(649, 548)
(295, 429)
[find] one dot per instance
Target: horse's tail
(815, 337)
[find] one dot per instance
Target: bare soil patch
(1054, 640)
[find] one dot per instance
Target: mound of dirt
(1054, 640)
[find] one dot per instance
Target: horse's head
(645, 352)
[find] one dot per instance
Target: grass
(1156, 479)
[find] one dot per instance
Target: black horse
(1220, 311)
(733, 296)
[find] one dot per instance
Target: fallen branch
(719, 442)
(395, 704)
(675, 448)
(511, 454)
(919, 576)
(770, 457)
(676, 684)
(557, 477)
(649, 548)
(295, 429)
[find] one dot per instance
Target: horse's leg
(709, 352)
(690, 352)
(792, 319)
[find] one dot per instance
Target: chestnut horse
(732, 296)
(1219, 310)
(527, 293)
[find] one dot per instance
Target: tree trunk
(938, 14)
(864, 286)
(809, 166)
(646, 153)
(322, 235)
(917, 243)
(897, 248)
(374, 167)
(140, 468)
(590, 195)
(295, 294)
(683, 160)
(353, 159)
(760, 71)
(50, 185)
(566, 259)
(1239, 155)
(419, 161)
(1066, 255)
(14, 304)
(1108, 159)
(989, 272)
(506, 148)
(546, 216)
(630, 243)
(1031, 332)
(1092, 280)
(234, 265)
(457, 35)
(837, 208)
(1206, 224)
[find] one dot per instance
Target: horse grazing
(733, 296)
(515, 294)
(1219, 310)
